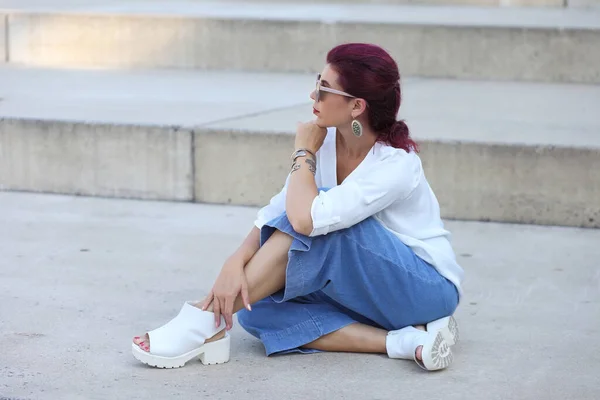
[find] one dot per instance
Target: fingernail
(249, 307)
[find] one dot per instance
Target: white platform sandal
(448, 327)
(436, 353)
(183, 339)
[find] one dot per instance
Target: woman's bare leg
(354, 338)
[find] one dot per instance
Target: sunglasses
(321, 90)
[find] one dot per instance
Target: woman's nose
(313, 95)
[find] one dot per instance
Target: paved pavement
(80, 276)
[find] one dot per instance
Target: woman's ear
(359, 107)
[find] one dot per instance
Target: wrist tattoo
(312, 165)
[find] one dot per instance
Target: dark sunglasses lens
(319, 95)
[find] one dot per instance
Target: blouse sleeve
(378, 186)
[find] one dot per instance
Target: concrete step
(489, 3)
(21, 4)
(552, 45)
(512, 152)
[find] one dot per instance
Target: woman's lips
(315, 111)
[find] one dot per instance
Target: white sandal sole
(217, 352)
(435, 353)
(448, 327)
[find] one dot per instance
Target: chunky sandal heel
(217, 352)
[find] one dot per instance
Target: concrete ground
(80, 276)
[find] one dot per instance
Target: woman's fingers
(207, 301)
(217, 311)
(228, 312)
(245, 296)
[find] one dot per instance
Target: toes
(145, 346)
(143, 342)
(418, 353)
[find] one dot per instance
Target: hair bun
(399, 134)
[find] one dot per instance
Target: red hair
(368, 72)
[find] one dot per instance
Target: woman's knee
(251, 319)
(244, 317)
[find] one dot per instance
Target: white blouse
(389, 185)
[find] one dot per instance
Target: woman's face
(331, 109)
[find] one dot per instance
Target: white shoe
(436, 353)
(182, 339)
(448, 327)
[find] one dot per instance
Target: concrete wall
(519, 53)
(3, 38)
(473, 181)
(583, 3)
(96, 160)
(240, 168)
(509, 183)
(528, 184)
(493, 3)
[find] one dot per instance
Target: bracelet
(312, 166)
(302, 152)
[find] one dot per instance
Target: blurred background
(146, 99)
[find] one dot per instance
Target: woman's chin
(321, 124)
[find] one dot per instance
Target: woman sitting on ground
(350, 256)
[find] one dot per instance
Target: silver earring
(357, 128)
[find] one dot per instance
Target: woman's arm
(247, 249)
(302, 191)
(231, 281)
(302, 187)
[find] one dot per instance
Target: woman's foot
(143, 342)
(419, 350)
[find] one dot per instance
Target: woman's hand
(229, 284)
(310, 136)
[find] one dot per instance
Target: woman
(350, 256)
